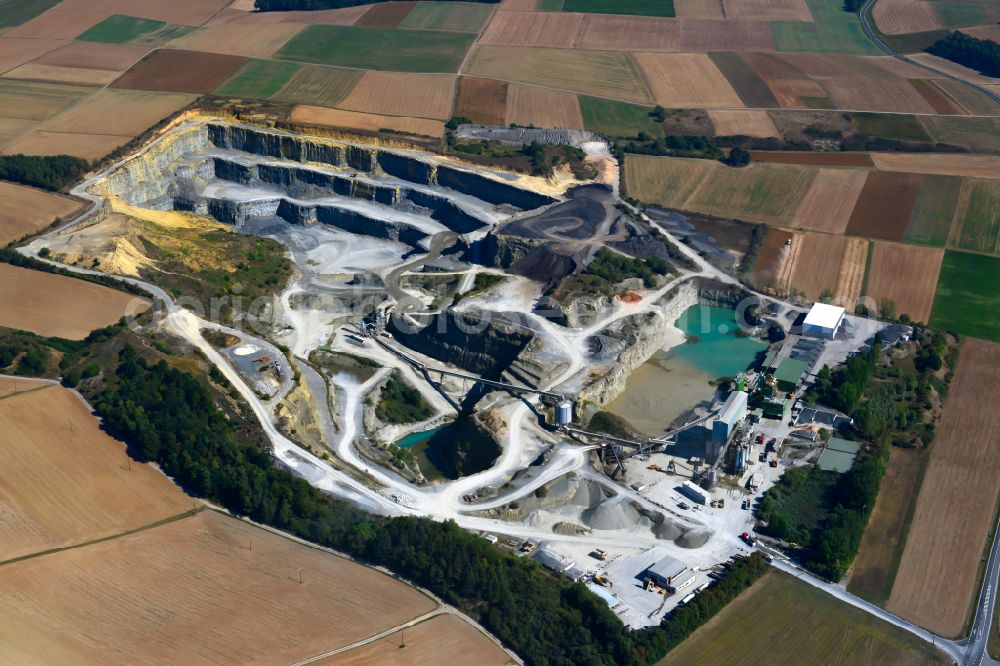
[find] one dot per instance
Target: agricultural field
(935, 209)
(444, 638)
(955, 508)
(532, 29)
(29, 100)
(59, 306)
(751, 88)
(615, 119)
(482, 100)
(781, 620)
(379, 49)
(980, 133)
(253, 41)
(630, 7)
(968, 295)
(385, 15)
(629, 33)
(27, 210)
(900, 127)
(16, 12)
(125, 113)
(528, 105)
(597, 73)
(370, 122)
(921, 267)
(686, 80)
(311, 84)
(49, 503)
(82, 63)
(816, 260)
(121, 29)
(828, 204)
(259, 78)
(885, 205)
(874, 568)
(84, 146)
(977, 220)
(896, 17)
(169, 70)
(458, 16)
(400, 94)
(233, 596)
(666, 181)
(975, 166)
(823, 37)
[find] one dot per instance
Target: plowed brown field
(64, 481)
(768, 10)
(937, 574)
(727, 35)
(401, 94)
(818, 266)
(876, 95)
(93, 55)
(852, 273)
(124, 112)
(16, 52)
(59, 23)
(253, 41)
(444, 639)
(528, 105)
(56, 305)
(830, 201)
(977, 166)
(386, 15)
(26, 210)
(684, 80)
(85, 146)
(482, 100)
(372, 122)
(629, 33)
(205, 589)
(906, 274)
(771, 257)
(898, 17)
(551, 29)
(171, 70)
(884, 207)
(703, 9)
(745, 123)
(185, 12)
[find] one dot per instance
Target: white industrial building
(823, 321)
(694, 493)
(733, 411)
(671, 574)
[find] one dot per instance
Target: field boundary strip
(143, 528)
(25, 392)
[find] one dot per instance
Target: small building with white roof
(823, 321)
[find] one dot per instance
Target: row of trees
(310, 5)
(982, 55)
(50, 172)
(170, 416)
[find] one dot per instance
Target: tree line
(170, 416)
(311, 5)
(49, 172)
(982, 55)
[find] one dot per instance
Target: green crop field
(931, 220)
(372, 48)
(832, 37)
(980, 216)
(895, 126)
(459, 16)
(781, 620)
(120, 29)
(319, 86)
(760, 192)
(826, 11)
(961, 14)
(968, 295)
(258, 78)
(969, 132)
(631, 7)
(615, 119)
(16, 12)
(668, 181)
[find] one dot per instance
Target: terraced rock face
(238, 173)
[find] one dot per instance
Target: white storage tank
(564, 413)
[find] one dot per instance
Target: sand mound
(695, 538)
(534, 519)
(571, 529)
(588, 494)
(667, 530)
(615, 514)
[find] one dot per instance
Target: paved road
(976, 650)
(872, 33)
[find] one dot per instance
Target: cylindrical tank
(713, 479)
(564, 413)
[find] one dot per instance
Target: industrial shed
(789, 373)
(839, 455)
(823, 321)
(671, 574)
